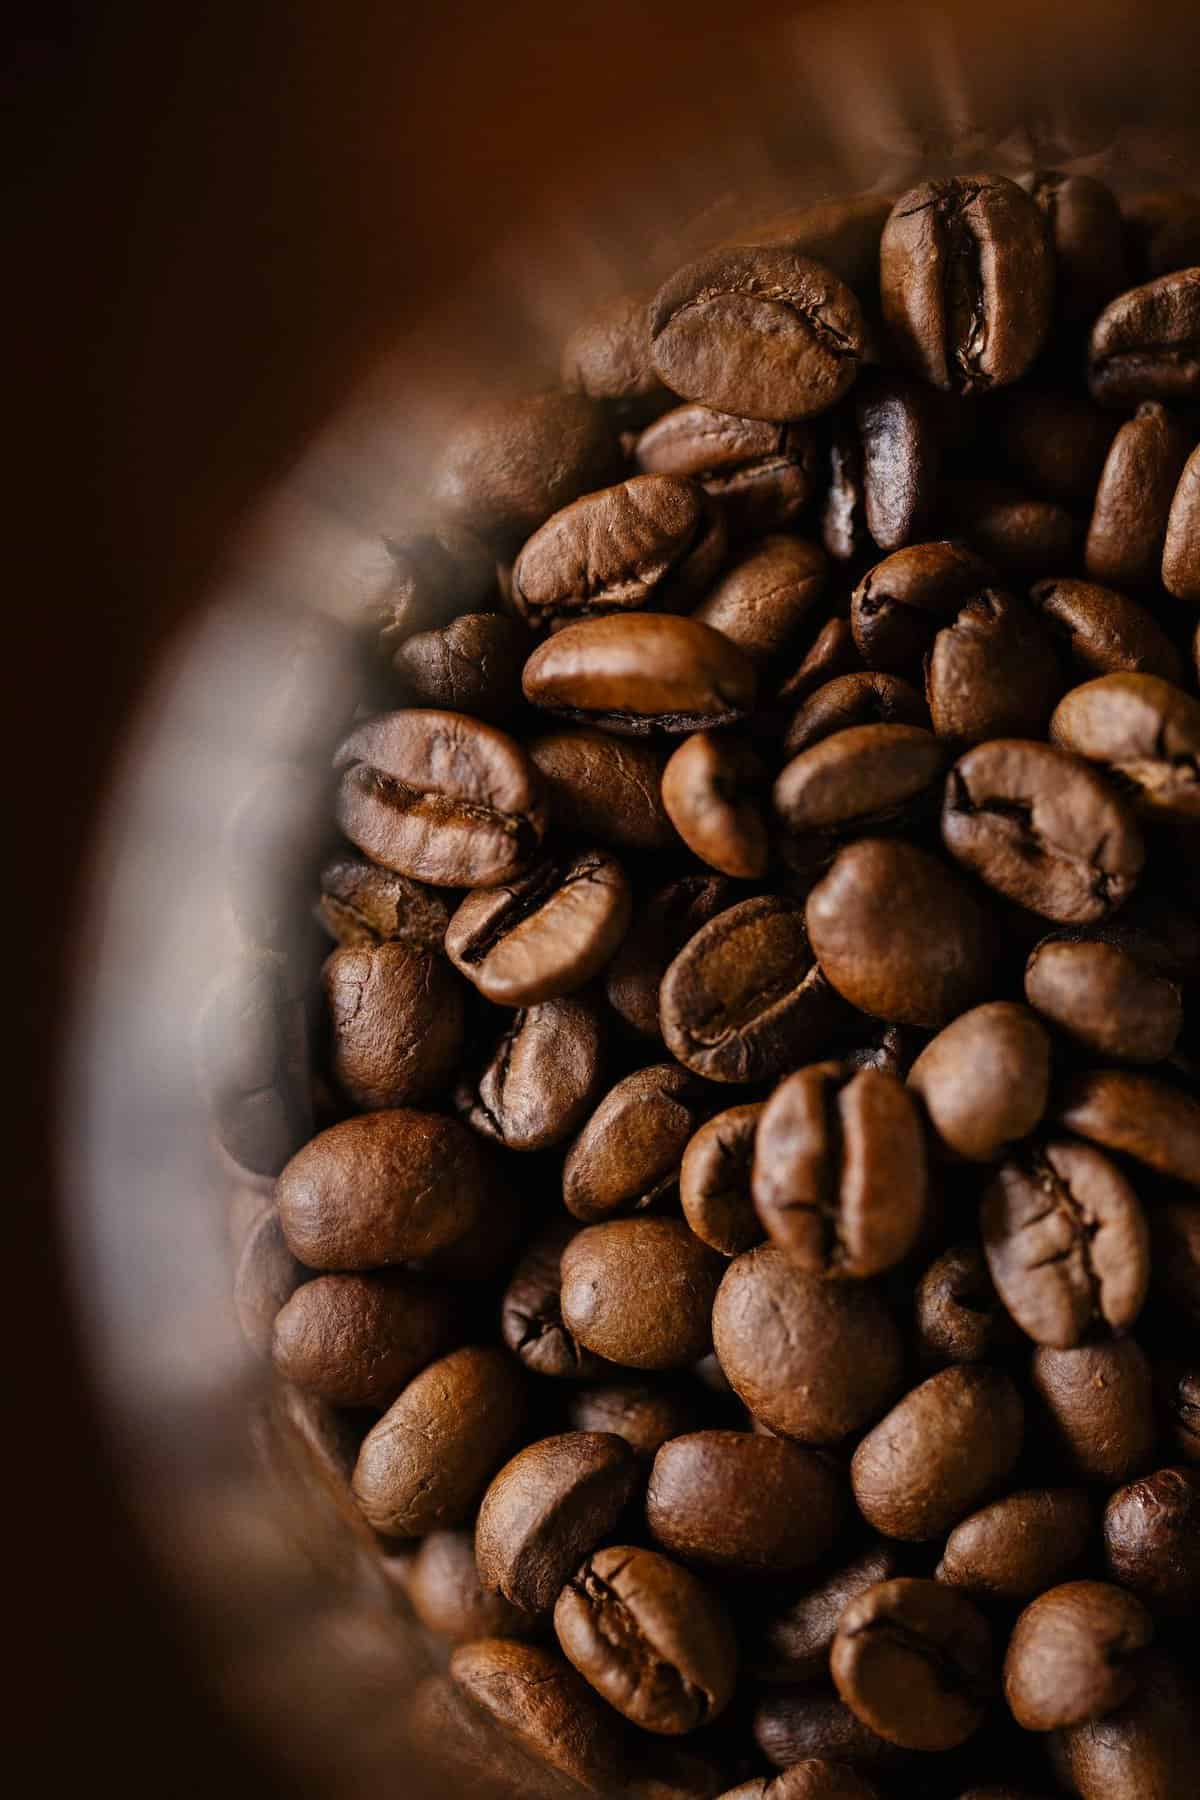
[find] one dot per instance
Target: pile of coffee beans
(746, 1271)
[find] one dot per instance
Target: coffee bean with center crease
(713, 789)
(1146, 344)
(545, 934)
(541, 1079)
(1137, 1116)
(531, 1321)
(764, 598)
(357, 1339)
(536, 1697)
(1144, 731)
(743, 1502)
(1074, 1655)
(812, 1359)
(650, 1638)
(901, 604)
(959, 1315)
(471, 665)
(763, 332)
(1066, 1242)
(445, 1592)
(839, 1176)
(993, 672)
(604, 789)
(862, 698)
(714, 1181)
(985, 1079)
(1181, 556)
(628, 1154)
(1018, 1546)
(1104, 633)
(363, 904)
(1084, 224)
(1097, 1408)
(672, 915)
(640, 1291)
(816, 1778)
(914, 1661)
(1042, 828)
(396, 1014)
(967, 280)
(644, 1413)
(1105, 998)
(745, 998)
(440, 797)
(1146, 1750)
(1133, 498)
(795, 1640)
(644, 672)
(862, 779)
(760, 474)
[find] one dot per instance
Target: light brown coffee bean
(713, 789)
(1073, 1655)
(859, 780)
(1016, 1547)
(357, 1339)
(544, 935)
(714, 1181)
(1098, 1408)
(639, 1292)
(913, 1661)
(604, 789)
(646, 672)
(985, 1079)
(1144, 731)
(628, 1154)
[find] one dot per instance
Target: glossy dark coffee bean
(396, 1018)
(1146, 344)
(628, 1154)
(863, 698)
(1152, 1541)
(832, 652)
(992, 673)
(535, 1697)
(1133, 498)
(865, 778)
(356, 1340)
(604, 789)
(1083, 221)
(1073, 1655)
(985, 1079)
(661, 927)
(901, 604)
(1101, 632)
(472, 665)
(645, 672)
(1181, 558)
(644, 1413)
(1017, 1547)
(639, 1292)
(764, 599)
(913, 1660)
(713, 789)
(607, 357)
(363, 904)
(1137, 1116)
(795, 1639)
(714, 1181)
(1149, 1746)
(760, 475)
(545, 935)
(1098, 1408)
(1105, 998)
(448, 1598)
(743, 1502)
(541, 1079)
(1020, 534)
(1054, 441)
(1144, 731)
(531, 1321)
(959, 1315)
(884, 456)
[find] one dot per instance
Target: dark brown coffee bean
(1018, 1546)
(901, 604)
(898, 934)
(1152, 1541)
(913, 1661)
(1018, 533)
(959, 1316)
(795, 1640)
(531, 1321)
(358, 1339)
(1148, 1747)
(762, 332)
(645, 672)
(1162, 230)
(1066, 1243)
(266, 1277)
(992, 673)
(659, 931)
(396, 1015)
(544, 935)
(1103, 633)
(472, 665)
(1137, 1116)
(363, 904)
(812, 1359)
(985, 1079)
(1133, 498)
(861, 779)
(546, 1509)
(899, 453)
(1181, 558)
(1054, 441)
(1142, 729)
(650, 1638)
(1146, 344)
(938, 1452)
(534, 1696)
(744, 998)
(761, 475)
(604, 789)
(515, 460)
(832, 652)
(1178, 1388)
(1043, 829)
(1074, 1655)
(541, 1079)
(714, 1181)
(1084, 224)
(863, 698)
(816, 1778)
(385, 1187)
(639, 1292)
(1105, 998)
(431, 578)
(628, 1154)
(839, 1176)
(440, 797)
(425, 1463)
(765, 598)
(713, 789)
(967, 280)
(796, 1724)
(607, 357)
(254, 1062)
(644, 1415)
(445, 1592)
(1098, 1407)
(737, 1500)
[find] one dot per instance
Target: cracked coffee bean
(363, 904)
(396, 1017)
(471, 665)
(544, 935)
(913, 1660)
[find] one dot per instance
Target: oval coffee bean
(1137, 1116)
(471, 665)
(1020, 534)
(1105, 998)
(1015, 1548)
(839, 1176)
(1143, 730)
(424, 1465)
(397, 1022)
(1146, 344)
(762, 332)
(1043, 829)
(959, 1316)
(816, 1778)
(384, 1187)
(440, 797)
(1181, 557)
(1104, 633)
(544, 935)
(604, 789)
(1084, 224)
(645, 672)
(861, 779)
(548, 1507)
(938, 1452)
(812, 1359)
(628, 1154)
(363, 904)
(760, 474)
(898, 934)
(992, 673)
(862, 698)
(1133, 499)
(1054, 440)
(531, 1321)
(444, 1591)
(1152, 1541)
(1098, 1408)
(714, 1181)
(901, 604)
(1066, 1243)
(735, 1500)
(764, 598)
(1147, 1747)
(1073, 1655)
(649, 1638)
(985, 1079)
(541, 1079)
(967, 280)
(651, 541)
(535, 1697)
(913, 1661)
(796, 1639)
(639, 1292)
(710, 789)
(357, 1339)
(644, 1414)
(897, 450)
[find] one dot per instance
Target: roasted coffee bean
(396, 1015)
(650, 1638)
(862, 698)
(651, 541)
(440, 797)
(607, 357)
(985, 1079)
(992, 673)
(266, 1277)
(541, 1079)
(913, 1661)
(639, 1292)
(901, 604)
(531, 1321)
(432, 578)
(1145, 1750)
(1178, 1388)
(445, 1592)
(545, 934)
(1137, 1116)
(1097, 1408)
(1103, 633)
(795, 1641)
(1054, 441)
(1144, 731)
(1074, 1655)
(1016, 1547)
(1105, 998)
(1162, 230)
(796, 1724)
(629, 1152)
(899, 455)
(472, 665)
(762, 332)
(546, 1509)
(604, 789)
(1181, 558)
(839, 1176)
(832, 652)
(959, 1316)
(384, 1187)
(812, 1359)
(645, 672)
(1042, 828)
(424, 1465)
(740, 1501)
(1152, 1541)
(515, 460)
(765, 598)
(761, 475)
(1066, 1242)
(669, 919)
(1175, 1237)
(898, 934)
(1018, 533)
(967, 280)
(865, 778)
(744, 998)
(938, 1452)
(816, 1778)
(1133, 498)
(363, 904)
(1146, 344)
(714, 1181)
(1084, 224)
(644, 1415)
(356, 1340)
(253, 1066)
(535, 1696)
(711, 790)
